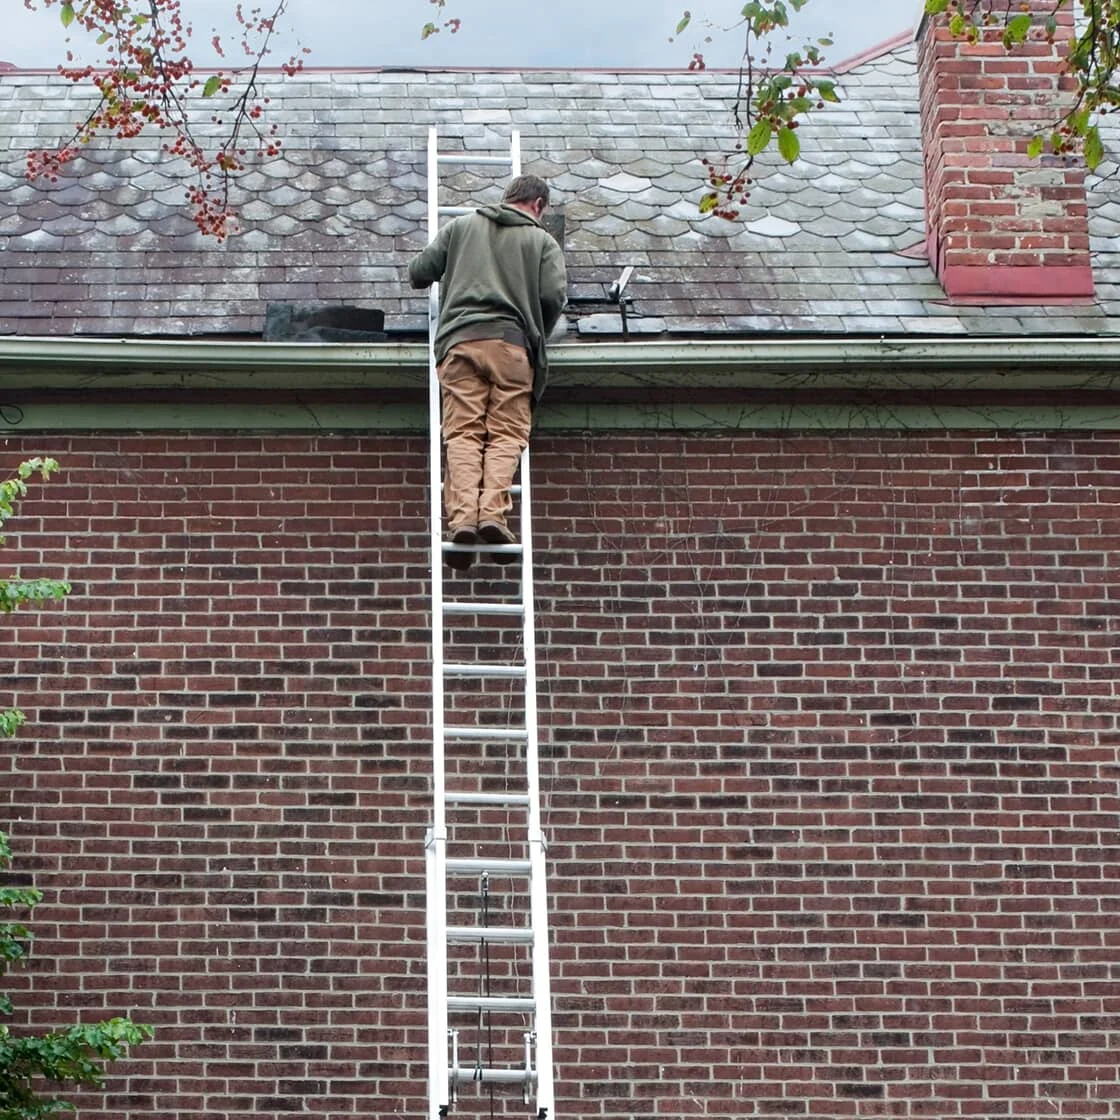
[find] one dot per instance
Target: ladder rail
(436, 844)
(538, 897)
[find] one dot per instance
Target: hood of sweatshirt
(506, 215)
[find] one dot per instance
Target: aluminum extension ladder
(469, 810)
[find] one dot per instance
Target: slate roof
(830, 245)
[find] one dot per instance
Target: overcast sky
(565, 33)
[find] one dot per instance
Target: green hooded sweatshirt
(499, 269)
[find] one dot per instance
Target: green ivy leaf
(759, 137)
(789, 145)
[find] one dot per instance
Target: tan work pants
(487, 388)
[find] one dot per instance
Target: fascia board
(895, 362)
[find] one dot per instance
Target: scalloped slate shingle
(830, 244)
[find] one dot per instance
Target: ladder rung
(466, 157)
(483, 608)
(464, 1075)
(482, 546)
(455, 210)
(491, 1003)
(496, 866)
(486, 799)
(508, 935)
(518, 733)
(450, 546)
(458, 670)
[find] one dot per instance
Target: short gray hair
(526, 188)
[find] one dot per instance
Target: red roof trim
(887, 45)
(842, 67)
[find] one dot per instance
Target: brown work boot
(461, 561)
(492, 532)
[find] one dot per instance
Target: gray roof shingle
(831, 244)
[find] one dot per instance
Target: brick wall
(829, 774)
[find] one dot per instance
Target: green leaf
(1094, 149)
(826, 90)
(936, 7)
(1017, 29)
(213, 84)
(67, 14)
(685, 20)
(759, 137)
(1079, 121)
(428, 30)
(709, 202)
(789, 145)
(1034, 148)
(10, 723)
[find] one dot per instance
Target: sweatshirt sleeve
(553, 285)
(427, 266)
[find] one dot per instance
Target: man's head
(528, 193)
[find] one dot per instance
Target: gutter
(895, 362)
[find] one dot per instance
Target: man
(504, 287)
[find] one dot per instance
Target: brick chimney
(1002, 227)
